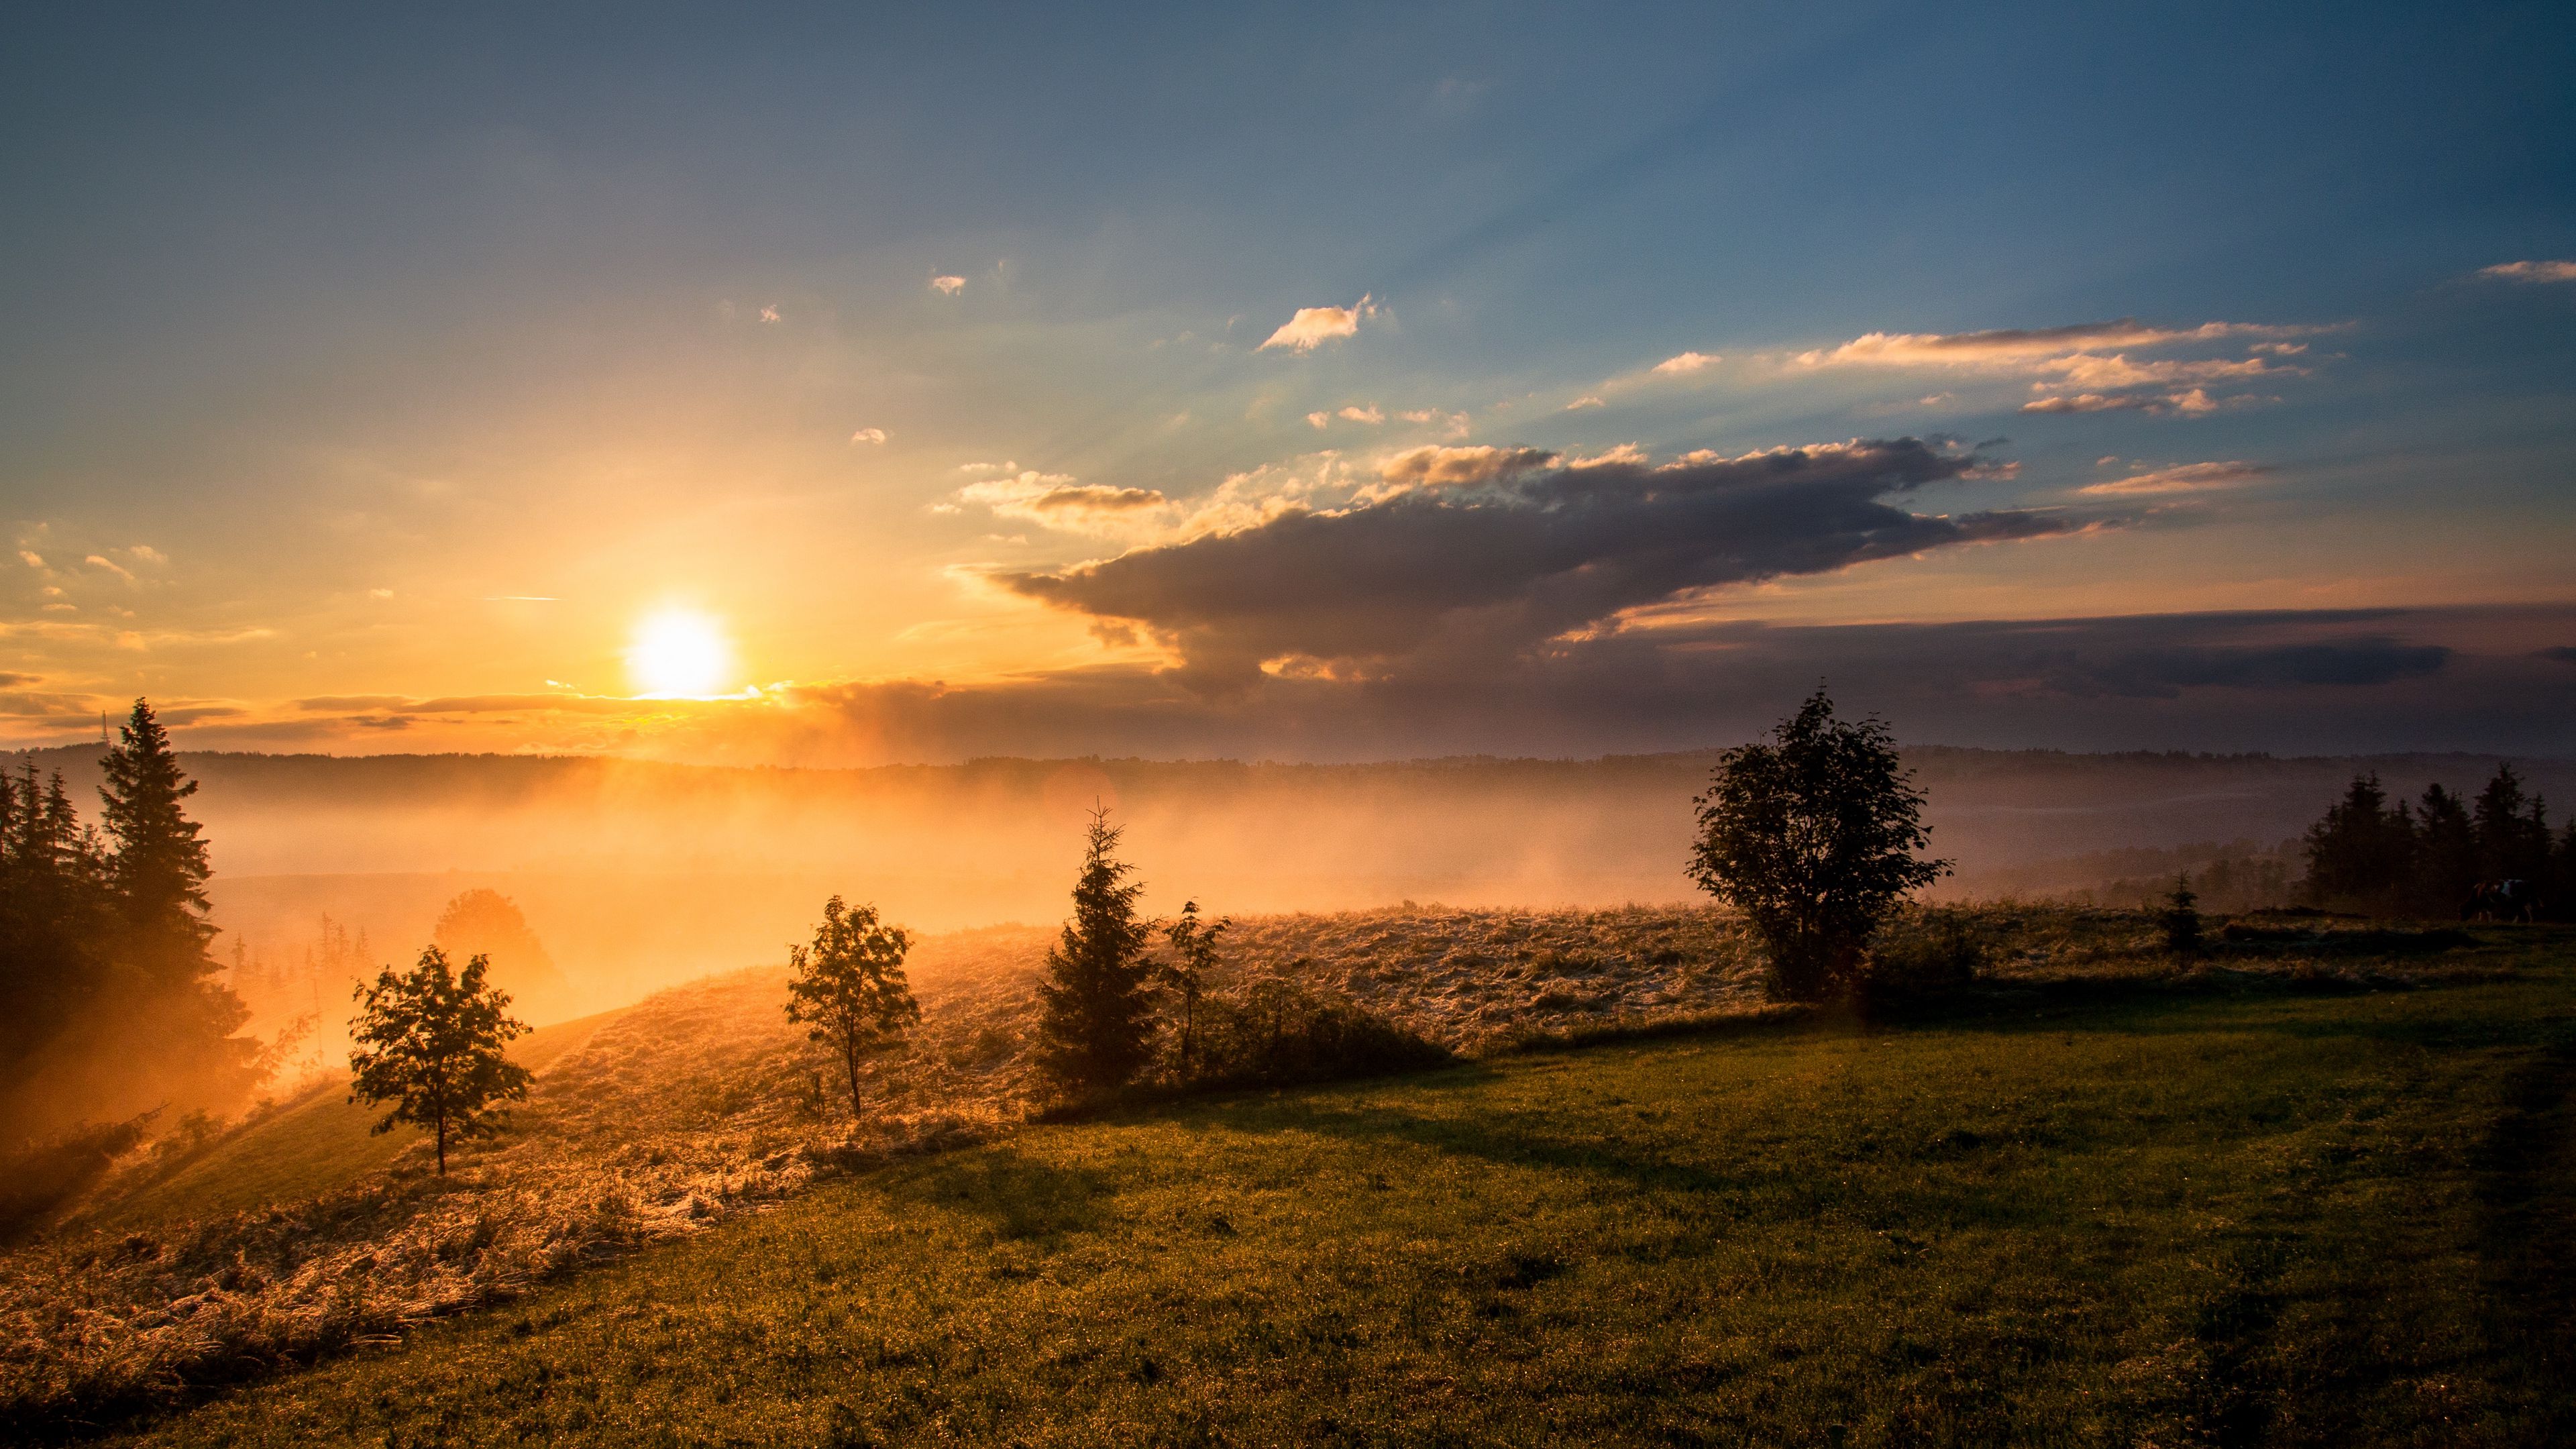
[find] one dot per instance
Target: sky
(842, 385)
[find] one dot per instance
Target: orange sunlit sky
(833, 387)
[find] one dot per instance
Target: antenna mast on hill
(102, 727)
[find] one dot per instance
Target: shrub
(42, 1176)
(1274, 1032)
(1924, 953)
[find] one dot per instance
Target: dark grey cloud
(1519, 554)
(2563, 653)
(2293, 682)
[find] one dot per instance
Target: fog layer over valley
(632, 876)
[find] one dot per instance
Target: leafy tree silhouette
(430, 1041)
(1098, 1028)
(1812, 836)
(848, 987)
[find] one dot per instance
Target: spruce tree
(1098, 1027)
(161, 868)
(430, 1041)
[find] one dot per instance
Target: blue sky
(366, 379)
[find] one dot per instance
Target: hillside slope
(2055, 1217)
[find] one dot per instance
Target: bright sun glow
(679, 652)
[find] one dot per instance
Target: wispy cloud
(2186, 478)
(1059, 501)
(948, 286)
(1585, 402)
(97, 560)
(2553, 271)
(2019, 344)
(1314, 326)
(1684, 362)
(868, 435)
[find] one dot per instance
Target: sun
(679, 652)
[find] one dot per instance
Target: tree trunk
(850, 1059)
(442, 1146)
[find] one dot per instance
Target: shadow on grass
(2526, 1238)
(1018, 1196)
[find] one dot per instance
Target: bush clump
(1274, 1032)
(1924, 953)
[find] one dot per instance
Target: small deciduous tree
(1098, 1026)
(430, 1041)
(1193, 957)
(1812, 834)
(848, 987)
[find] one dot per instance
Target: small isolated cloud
(2558, 271)
(118, 569)
(948, 286)
(769, 314)
(32, 559)
(868, 435)
(1368, 414)
(1455, 424)
(1685, 362)
(1461, 467)
(1005, 466)
(1314, 326)
(1057, 500)
(148, 554)
(2186, 478)
(1585, 402)
(380, 593)
(1320, 420)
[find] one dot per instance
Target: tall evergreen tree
(2360, 856)
(161, 866)
(2446, 853)
(1098, 1027)
(2512, 831)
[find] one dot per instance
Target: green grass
(317, 1143)
(2152, 1217)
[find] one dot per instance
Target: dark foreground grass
(2166, 1218)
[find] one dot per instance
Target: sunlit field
(2315, 1190)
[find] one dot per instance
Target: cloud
(2563, 653)
(1487, 551)
(1056, 500)
(2190, 402)
(1368, 414)
(1683, 363)
(868, 435)
(1585, 402)
(2531, 271)
(2016, 344)
(1005, 466)
(1460, 467)
(1314, 326)
(31, 558)
(148, 554)
(769, 314)
(1320, 419)
(948, 286)
(101, 561)
(2185, 478)
(380, 593)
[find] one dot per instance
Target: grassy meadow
(2322, 1199)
